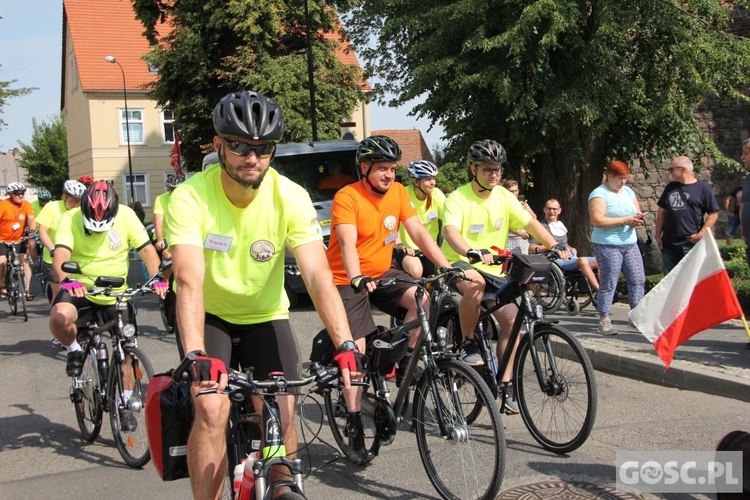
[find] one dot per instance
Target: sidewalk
(714, 362)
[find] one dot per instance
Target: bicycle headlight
(129, 331)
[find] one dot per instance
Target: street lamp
(113, 60)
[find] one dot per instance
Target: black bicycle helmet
(249, 115)
(99, 206)
(378, 148)
(487, 151)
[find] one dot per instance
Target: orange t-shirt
(13, 219)
(377, 221)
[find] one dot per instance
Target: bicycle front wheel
(338, 419)
(12, 288)
(126, 394)
(87, 397)
(560, 416)
(21, 282)
(468, 459)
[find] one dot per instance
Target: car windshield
(321, 174)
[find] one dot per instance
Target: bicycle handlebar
(451, 274)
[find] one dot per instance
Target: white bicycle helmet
(421, 169)
(15, 187)
(74, 189)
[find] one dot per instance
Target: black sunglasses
(244, 149)
(19, 193)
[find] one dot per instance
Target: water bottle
(239, 469)
(101, 355)
(248, 476)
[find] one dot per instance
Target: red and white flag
(695, 296)
(177, 155)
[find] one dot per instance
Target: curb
(680, 375)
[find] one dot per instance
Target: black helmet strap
(367, 179)
(482, 189)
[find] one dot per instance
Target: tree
(7, 93)
(564, 85)
(46, 158)
(220, 46)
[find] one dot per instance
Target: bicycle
(102, 386)
(462, 457)
(552, 374)
(15, 277)
(243, 426)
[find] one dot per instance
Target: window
(135, 122)
(140, 188)
(167, 126)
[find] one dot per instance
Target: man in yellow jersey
(364, 219)
(98, 237)
(478, 216)
(428, 201)
(42, 198)
(160, 209)
(228, 228)
(47, 222)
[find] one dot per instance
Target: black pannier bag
(530, 269)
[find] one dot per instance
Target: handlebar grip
(181, 371)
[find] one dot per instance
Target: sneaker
(606, 328)
(128, 423)
(510, 405)
(75, 363)
(470, 353)
(357, 452)
(57, 345)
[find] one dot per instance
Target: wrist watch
(347, 345)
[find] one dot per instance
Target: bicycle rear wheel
(10, 284)
(470, 461)
(86, 396)
(561, 417)
(550, 295)
(127, 411)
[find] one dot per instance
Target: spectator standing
(733, 215)
(615, 213)
(518, 240)
(745, 205)
(680, 223)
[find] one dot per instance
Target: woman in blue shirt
(615, 213)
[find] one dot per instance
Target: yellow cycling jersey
(483, 223)
(105, 253)
(37, 207)
(430, 217)
(243, 248)
(160, 208)
(50, 217)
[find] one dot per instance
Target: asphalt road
(42, 455)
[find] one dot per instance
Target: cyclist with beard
(478, 216)
(228, 227)
(364, 219)
(16, 217)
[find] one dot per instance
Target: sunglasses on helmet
(244, 149)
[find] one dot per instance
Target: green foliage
(220, 46)
(451, 174)
(564, 85)
(6, 93)
(738, 269)
(46, 158)
(733, 253)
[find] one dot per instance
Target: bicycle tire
(87, 400)
(291, 495)
(22, 293)
(338, 419)
(550, 295)
(133, 443)
(471, 462)
(10, 283)
(560, 422)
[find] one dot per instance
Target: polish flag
(177, 155)
(695, 296)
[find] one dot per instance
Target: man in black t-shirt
(679, 226)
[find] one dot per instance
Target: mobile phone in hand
(642, 215)
(521, 198)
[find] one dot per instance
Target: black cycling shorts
(267, 347)
(493, 284)
(86, 308)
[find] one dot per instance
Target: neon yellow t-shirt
(160, 208)
(243, 248)
(102, 254)
(50, 217)
(430, 217)
(37, 207)
(483, 223)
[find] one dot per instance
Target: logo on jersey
(262, 250)
(390, 222)
(115, 242)
(499, 224)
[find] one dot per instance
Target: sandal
(3, 294)
(29, 296)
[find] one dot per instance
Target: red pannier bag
(169, 416)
